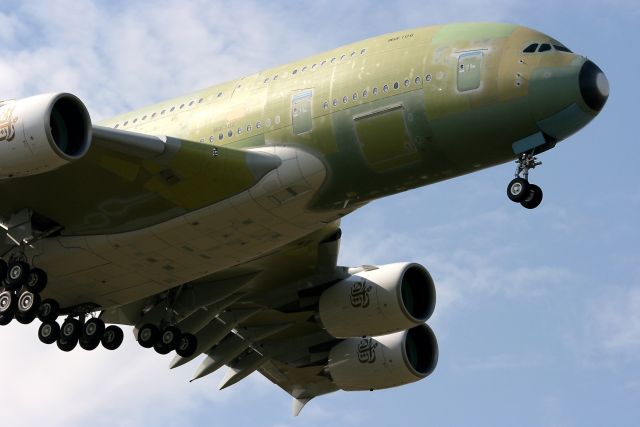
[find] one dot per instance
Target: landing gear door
(301, 111)
(469, 66)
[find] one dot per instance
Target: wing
(130, 181)
(263, 317)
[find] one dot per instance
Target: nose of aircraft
(594, 86)
(564, 98)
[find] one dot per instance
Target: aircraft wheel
(66, 345)
(28, 304)
(49, 332)
(517, 190)
(8, 302)
(49, 310)
(533, 198)
(17, 274)
(187, 345)
(5, 319)
(160, 348)
(92, 332)
(112, 337)
(69, 334)
(170, 337)
(36, 280)
(148, 335)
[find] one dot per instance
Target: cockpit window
(531, 48)
(544, 47)
(561, 48)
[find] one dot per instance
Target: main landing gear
(167, 339)
(519, 189)
(20, 299)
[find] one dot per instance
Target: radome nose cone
(594, 86)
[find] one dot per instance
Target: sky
(538, 315)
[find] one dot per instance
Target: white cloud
(618, 321)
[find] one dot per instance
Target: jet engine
(378, 301)
(42, 133)
(372, 363)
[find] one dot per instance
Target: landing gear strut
(519, 189)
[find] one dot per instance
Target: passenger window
(531, 48)
(230, 133)
(220, 136)
(396, 85)
(418, 79)
(219, 94)
(239, 131)
(375, 91)
(335, 102)
(345, 99)
(116, 126)
(385, 88)
(363, 51)
(365, 93)
(325, 105)
(406, 83)
(258, 125)
(355, 96)
(295, 71)
(248, 128)
(544, 47)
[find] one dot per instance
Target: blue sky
(538, 317)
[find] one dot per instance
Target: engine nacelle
(390, 298)
(373, 363)
(42, 133)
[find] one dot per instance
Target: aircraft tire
(5, 319)
(533, 198)
(187, 345)
(28, 304)
(49, 310)
(17, 274)
(66, 345)
(112, 337)
(49, 332)
(148, 335)
(517, 190)
(36, 280)
(8, 302)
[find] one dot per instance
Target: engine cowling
(387, 299)
(373, 363)
(42, 133)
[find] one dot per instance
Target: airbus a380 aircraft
(210, 222)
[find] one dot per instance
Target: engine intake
(386, 299)
(373, 363)
(42, 133)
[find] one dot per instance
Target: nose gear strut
(519, 189)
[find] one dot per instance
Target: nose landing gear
(519, 189)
